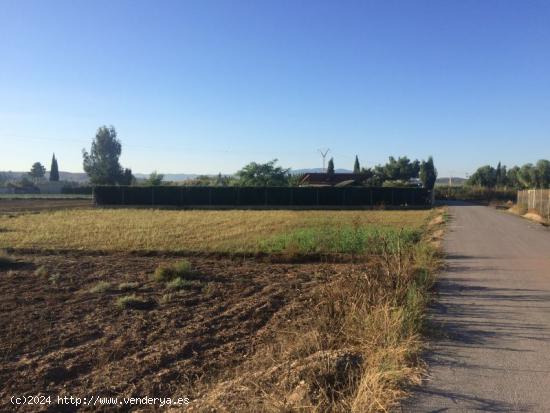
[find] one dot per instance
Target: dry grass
(352, 340)
(188, 231)
(352, 348)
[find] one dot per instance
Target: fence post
(291, 196)
(209, 195)
(317, 195)
(265, 196)
(153, 195)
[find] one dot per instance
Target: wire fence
(537, 200)
(262, 196)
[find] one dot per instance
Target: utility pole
(324, 153)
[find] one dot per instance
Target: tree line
(103, 168)
(518, 177)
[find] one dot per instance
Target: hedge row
(469, 193)
(260, 196)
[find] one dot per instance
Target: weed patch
(128, 286)
(340, 240)
(183, 284)
(101, 287)
(134, 302)
(181, 269)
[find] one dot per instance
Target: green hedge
(470, 193)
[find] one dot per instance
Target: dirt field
(61, 338)
(238, 333)
(17, 205)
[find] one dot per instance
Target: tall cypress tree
(54, 170)
(428, 173)
(356, 166)
(498, 177)
(330, 168)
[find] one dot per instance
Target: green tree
(428, 173)
(54, 170)
(330, 167)
(401, 169)
(356, 166)
(37, 171)
(527, 176)
(155, 179)
(542, 173)
(267, 174)
(102, 162)
(498, 175)
(127, 177)
(484, 176)
(512, 178)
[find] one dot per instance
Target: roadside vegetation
(355, 346)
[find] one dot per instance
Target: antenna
(324, 153)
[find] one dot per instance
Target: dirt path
(492, 316)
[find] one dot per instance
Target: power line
(324, 153)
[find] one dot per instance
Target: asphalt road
(491, 319)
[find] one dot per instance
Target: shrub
(101, 287)
(165, 273)
(181, 283)
(133, 302)
(128, 286)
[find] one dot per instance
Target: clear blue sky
(207, 86)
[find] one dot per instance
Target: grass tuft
(134, 302)
(127, 286)
(101, 287)
(183, 284)
(166, 273)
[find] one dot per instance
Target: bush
(472, 193)
(182, 284)
(128, 286)
(165, 273)
(133, 302)
(101, 287)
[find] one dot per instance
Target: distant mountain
(80, 177)
(318, 170)
(171, 177)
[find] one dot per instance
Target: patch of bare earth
(36, 205)
(61, 337)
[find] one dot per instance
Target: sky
(208, 86)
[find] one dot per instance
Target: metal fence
(195, 196)
(535, 199)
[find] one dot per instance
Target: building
(336, 179)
